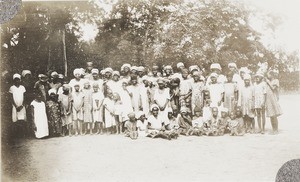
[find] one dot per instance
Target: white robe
(40, 119)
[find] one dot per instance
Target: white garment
(145, 99)
(97, 110)
(73, 82)
(156, 123)
(135, 91)
(161, 97)
(108, 117)
(215, 91)
(126, 104)
(142, 127)
(99, 82)
(40, 119)
(114, 86)
(18, 96)
(77, 100)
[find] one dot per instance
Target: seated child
(185, 121)
(214, 122)
(240, 119)
(206, 110)
(234, 125)
(142, 124)
(223, 125)
(156, 125)
(197, 123)
(131, 127)
(173, 124)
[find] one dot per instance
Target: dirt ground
(253, 157)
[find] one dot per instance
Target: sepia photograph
(150, 90)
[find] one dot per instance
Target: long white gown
(40, 119)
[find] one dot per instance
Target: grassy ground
(253, 157)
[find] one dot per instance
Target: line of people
(159, 102)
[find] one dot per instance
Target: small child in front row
(197, 123)
(260, 92)
(98, 99)
(235, 125)
(246, 103)
(109, 109)
(65, 100)
(240, 119)
(131, 127)
(87, 108)
(53, 114)
(142, 124)
(118, 113)
(213, 123)
(77, 109)
(223, 125)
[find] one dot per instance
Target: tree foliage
(134, 31)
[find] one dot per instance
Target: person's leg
(80, 127)
(91, 127)
(258, 113)
(273, 125)
(162, 135)
(252, 125)
(121, 127)
(263, 115)
(69, 127)
(276, 124)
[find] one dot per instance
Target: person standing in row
(17, 92)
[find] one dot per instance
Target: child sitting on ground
(223, 125)
(142, 124)
(131, 127)
(234, 125)
(240, 119)
(156, 125)
(197, 123)
(214, 122)
(173, 126)
(185, 121)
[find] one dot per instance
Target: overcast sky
(287, 34)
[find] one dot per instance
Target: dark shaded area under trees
(137, 32)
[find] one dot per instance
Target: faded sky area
(286, 34)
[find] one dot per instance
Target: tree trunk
(49, 58)
(64, 52)
(144, 47)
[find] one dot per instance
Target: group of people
(153, 102)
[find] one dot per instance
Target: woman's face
(86, 86)
(223, 114)
(77, 76)
(247, 82)
(126, 70)
(168, 71)
(134, 82)
(196, 78)
(95, 88)
(258, 79)
(17, 81)
(155, 112)
(95, 76)
(107, 74)
(198, 113)
(116, 78)
(213, 79)
(232, 115)
(229, 78)
(170, 115)
(161, 86)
